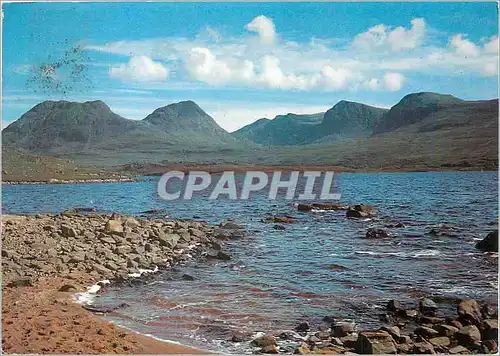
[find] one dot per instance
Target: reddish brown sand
(41, 319)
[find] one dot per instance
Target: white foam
(141, 271)
(89, 296)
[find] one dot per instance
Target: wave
(421, 253)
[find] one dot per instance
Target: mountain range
(350, 134)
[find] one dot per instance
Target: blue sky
(244, 61)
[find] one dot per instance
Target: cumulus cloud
(394, 81)
(264, 27)
(463, 47)
(379, 59)
(385, 38)
(140, 69)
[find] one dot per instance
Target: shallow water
(279, 278)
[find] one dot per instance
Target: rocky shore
(48, 259)
(73, 181)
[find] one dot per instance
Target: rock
(304, 207)
(302, 349)
(291, 335)
(68, 288)
(427, 306)
(488, 311)
(426, 332)
(334, 267)
(77, 257)
(187, 277)
(131, 222)
(468, 336)
(349, 341)
(122, 249)
(329, 350)
(458, 350)
(469, 312)
(489, 243)
(196, 232)
(394, 305)
(114, 226)
(403, 348)
(375, 342)
(230, 226)
(430, 320)
(351, 213)
(393, 330)
(409, 313)
(281, 219)
(423, 348)
(240, 336)
(20, 282)
(489, 329)
(264, 340)
(440, 341)
(342, 329)
(169, 240)
(279, 227)
(132, 237)
(489, 347)
(361, 211)
(446, 330)
(323, 335)
(218, 255)
(68, 231)
(376, 233)
(302, 327)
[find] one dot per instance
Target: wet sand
(42, 319)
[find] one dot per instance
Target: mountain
(413, 108)
(349, 120)
(343, 121)
(63, 128)
(289, 129)
(186, 117)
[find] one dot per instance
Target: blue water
(278, 278)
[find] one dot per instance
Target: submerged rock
(376, 233)
(489, 243)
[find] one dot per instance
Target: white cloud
(265, 28)
(463, 47)
(139, 69)
(394, 81)
(382, 37)
(492, 45)
(216, 59)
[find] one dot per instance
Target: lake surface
(277, 278)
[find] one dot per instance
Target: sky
(244, 61)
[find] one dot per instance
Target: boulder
(446, 330)
(393, 330)
(302, 327)
(279, 227)
(131, 222)
(303, 349)
(376, 233)
(426, 332)
(469, 312)
(330, 206)
(440, 341)
(394, 305)
(269, 349)
(68, 231)
(489, 243)
(230, 226)
(342, 329)
(361, 211)
(304, 207)
(423, 348)
(468, 335)
(489, 329)
(168, 240)
(218, 255)
(114, 226)
(264, 340)
(427, 307)
(375, 342)
(458, 350)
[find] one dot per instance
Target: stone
(430, 320)
(489, 329)
(489, 243)
(302, 327)
(426, 332)
(114, 226)
(468, 335)
(458, 350)
(20, 282)
(394, 305)
(240, 336)
(376, 233)
(393, 330)
(68, 231)
(489, 346)
(424, 348)
(264, 340)
(168, 240)
(440, 341)
(349, 341)
(342, 329)
(218, 255)
(131, 222)
(122, 249)
(68, 288)
(302, 349)
(281, 219)
(196, 232)
(446, 330)
(230, 226)
(427, 307)
(469, 312)
(304, 207)
(351, 213)
(77, 257)
(132, 236)
(375, 342)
